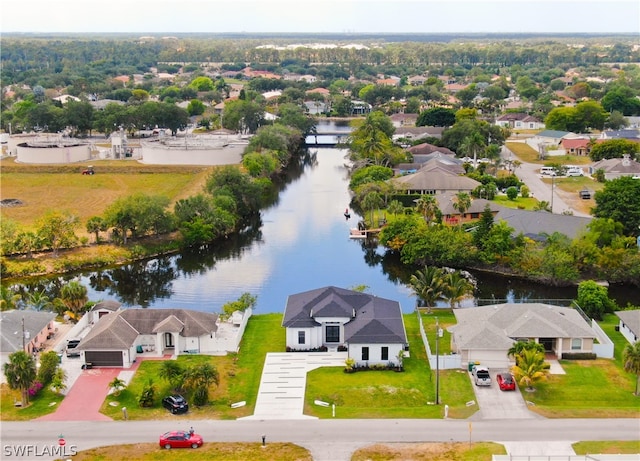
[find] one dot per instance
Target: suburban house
(449, 163)
(537, 225)
(629, 324)
(484, 334)
(370, 328)
(628, 134)
(399, 120)
(426, 149)
(519, 120)
(417, 80)
(418, 132)
(548, 141)
(24, 330)
(453, 217)
(433, 182)
(577, 146)
(616, 167)
(118, 336)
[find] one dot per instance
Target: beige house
(484, 334)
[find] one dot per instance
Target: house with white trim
(485, 334)
(629, 325)
(371, 329)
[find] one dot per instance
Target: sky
(321, 16)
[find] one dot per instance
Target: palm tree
(461, 203)
(74, 296)
(530, 368)
(198, 379)
(428, 285)
(542, 205)
(427, 206)
(395, 207)
(456, 288)
(370, 202)
(472, 144)
(20, 372)
(117, 385)
(520, 346)
(38, 300)
(631, 361)
(8, 298)
(173, 373)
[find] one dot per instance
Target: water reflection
(299, 243)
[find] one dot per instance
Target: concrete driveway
(497, 404)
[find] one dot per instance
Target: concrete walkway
(283, 382)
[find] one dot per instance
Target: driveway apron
(283, 382)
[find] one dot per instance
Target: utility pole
(553, 183)
(23, 336)
(437, 363)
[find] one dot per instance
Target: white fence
(604, 348)
(445, 362)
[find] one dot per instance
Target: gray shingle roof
(120, 329)
(631, 319)
(498, 326)
(109, 304)
(535, 223)
(11, 327)
(373, 320)
(435, 180)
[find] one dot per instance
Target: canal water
(301, 243)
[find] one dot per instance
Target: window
(301, 337)
(576, 344)
(384, 353)
(333, 334)
(365, 353)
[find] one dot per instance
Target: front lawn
(520, 203)
(589, 389)
(42, 404)
(390, 394)
(239, 377)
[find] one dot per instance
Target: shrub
(579, 356)
(35, 388)
(147, 395)
(512, 193)
(48, 365)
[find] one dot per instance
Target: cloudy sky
(354, 16)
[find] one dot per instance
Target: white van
(548, 171)
(574, 171)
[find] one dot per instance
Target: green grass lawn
(590, 388)
(390, 394)
(528, 154)
(239, 377)
(519, 203)
(42, 404)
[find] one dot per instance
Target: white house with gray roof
(484, 334)
(629, 324)
(118, 337)
(370, 328)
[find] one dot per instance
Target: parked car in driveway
(180, 439)
(506, 382)
(72, 348)
(175, 404)
(481, 376)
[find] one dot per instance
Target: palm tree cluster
(530, 366)
(433, 284)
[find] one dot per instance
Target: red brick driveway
(86, 396)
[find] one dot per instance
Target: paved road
(529, 174)
(333, 440)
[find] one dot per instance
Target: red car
(180, 439)
(506, 382)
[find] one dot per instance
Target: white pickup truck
(481, 375)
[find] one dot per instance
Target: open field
(528, 154)
(43, 188)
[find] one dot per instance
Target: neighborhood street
(529, 173)
(333, 440)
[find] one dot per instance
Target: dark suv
(175, 404)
